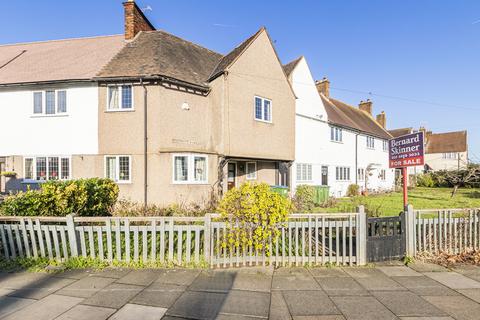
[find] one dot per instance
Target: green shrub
(254, 215)
(353, 190)
(127, 208)
(304, 200)
(425, 180)
(83, 197)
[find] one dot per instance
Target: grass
(421, 198)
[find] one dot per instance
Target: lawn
(421, 198)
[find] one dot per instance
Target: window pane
(28, 168)
(52, 168)
(65, 169)
(126, 97)
(111, 168)
(258, 108)
(112, 98)
(124, 168)
(37, 102)
(41, 168)
(50, 102)
(62, 101)
(341, 134)
(267, 113)
(181, 168)
(332, 133)
(200, 169)
(252, 170)
(299, 172)
(309, 172)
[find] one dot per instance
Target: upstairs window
(342, 173)
(336, 134)
(190, 169)
(385, 145)
(263, 109)
(55, 102)
(304, 172)
(370, 142)
(120, 98)
(450, 155)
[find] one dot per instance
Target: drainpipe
(145, 145)
(356, 159)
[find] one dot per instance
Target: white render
(313, 145)
(26, 134)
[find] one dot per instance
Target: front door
(232, 175)
(324, 176)
(2, 178)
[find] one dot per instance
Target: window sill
(340, 142)
(120, 110)
(251, 179)
(61, 115)
(123, 182)
(264, 121)
(205, 183)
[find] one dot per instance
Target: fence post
(410, 231)
(207, 237)
(72, 236)
(361, 236)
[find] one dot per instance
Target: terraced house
(168, 120)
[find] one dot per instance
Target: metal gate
(386, 238)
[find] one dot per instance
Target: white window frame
(361, 177)
(120, 101)
(306, 172)
(341, 174)
(117, 168)
(383, 175)
(370, 142)
(336, 134)
(247, 174)
(263, 109)
(385, 145)
(190, 168)
(44, 103)
(34, 168)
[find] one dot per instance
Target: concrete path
(419, 292)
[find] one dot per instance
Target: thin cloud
(147, 8)
(222, 25)
(475, 22)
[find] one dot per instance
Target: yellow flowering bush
(254, 214)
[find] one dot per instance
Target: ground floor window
(361, 174)
(343, 173)
(118, 168)
(42, 168)
(190, 168)
(383, 174)
(251, 170)
(304, 172)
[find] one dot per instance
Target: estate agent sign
(406, 151)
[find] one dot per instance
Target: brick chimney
(382, 119)
(323, 87)
(135, 20)
(366, 106)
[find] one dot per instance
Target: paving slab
(309, 303)
(278, 307)
(404, 303)
(235, 317)
(470, 271)
(4, 292)
(341, 286)
(460, 308)
(327, 317)
(181, 277)
(328, 272)
(213, 281)
(21, 280)
(11, 304)
(73, 273)
(252, 281)
(473, 294)
(197, 305)
(246, 303)
(362, 308)
(81, 312)
(142, 277)
(114, 296)
(42, 288)
(45, 309)
(86, 287)
(427, 318)
(116, 273)
(294, 282)
(453, 280)
(135, 311)
(292, 271)
(426, 267)
(399, 271)
(425, 286)
(373, 279)
(159, 295)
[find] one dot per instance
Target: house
(443, 151)
(336, 144)
(170, 121)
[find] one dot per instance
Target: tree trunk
(454, 191)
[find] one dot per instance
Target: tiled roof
(344, 115)
(289, 67)
(58, 60)
(400, 132)
(446, 142)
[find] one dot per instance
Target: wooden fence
(447, 230)
(304, 239)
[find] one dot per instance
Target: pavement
(421, 291)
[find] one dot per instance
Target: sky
(417, 60)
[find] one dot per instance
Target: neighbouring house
(336, 144)
(170, 121)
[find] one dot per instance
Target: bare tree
(462, 177)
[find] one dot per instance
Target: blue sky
(424, 54)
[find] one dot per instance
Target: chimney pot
(382, 119)
(135, 20)
(366, 106)
(323, 87)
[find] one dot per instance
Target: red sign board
(406, 151)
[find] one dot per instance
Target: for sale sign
(406, 151)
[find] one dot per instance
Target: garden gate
(386, 238)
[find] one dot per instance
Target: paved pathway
(383, 292)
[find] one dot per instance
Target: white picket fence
(312, 239)
(447, 230)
